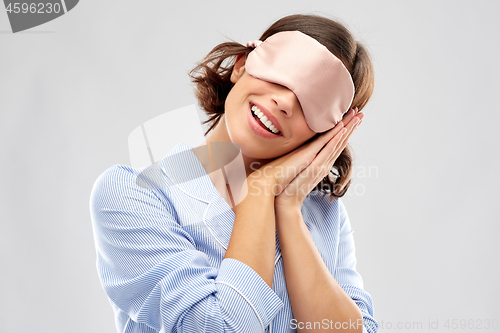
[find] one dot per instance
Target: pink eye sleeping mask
(318, 78)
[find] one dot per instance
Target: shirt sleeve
(151, 270)
(346, 275)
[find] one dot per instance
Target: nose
(285, 100)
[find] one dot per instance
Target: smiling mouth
(263, 121)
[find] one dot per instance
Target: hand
(299, 187)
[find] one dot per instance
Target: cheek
(235, 117)
(303, 132)
(300, 136)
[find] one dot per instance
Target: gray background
(424, 202)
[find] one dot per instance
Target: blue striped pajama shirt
(161, 237)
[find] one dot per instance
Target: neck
(231, 166)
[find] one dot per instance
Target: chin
(250, 148)
(240, 134)
(260, 152)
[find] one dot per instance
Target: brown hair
(212, 79)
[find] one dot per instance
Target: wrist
(260, 185)
(287, 206)
(257, 188)
(289, 215)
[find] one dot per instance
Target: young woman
(268, 247)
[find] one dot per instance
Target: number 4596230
(39, 8)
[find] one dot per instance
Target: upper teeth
(263, 119)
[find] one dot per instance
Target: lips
(269, 116)
(256, 125)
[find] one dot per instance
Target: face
(278, 102)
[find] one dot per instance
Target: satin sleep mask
(318, 78)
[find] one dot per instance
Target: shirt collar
(188, 174)
(184, 169)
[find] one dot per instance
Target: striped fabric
(161, 236)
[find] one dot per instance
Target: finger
(318, 168)
(319, 142)
(324, 156)
(343, 143)
(348, 115)
(307, 179)
(308, 151)
(327, 157)
(337, 146)
(351, 127)
(348, 118)
(351, 120)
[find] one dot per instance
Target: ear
(239, 67)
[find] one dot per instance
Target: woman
(270, 252)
